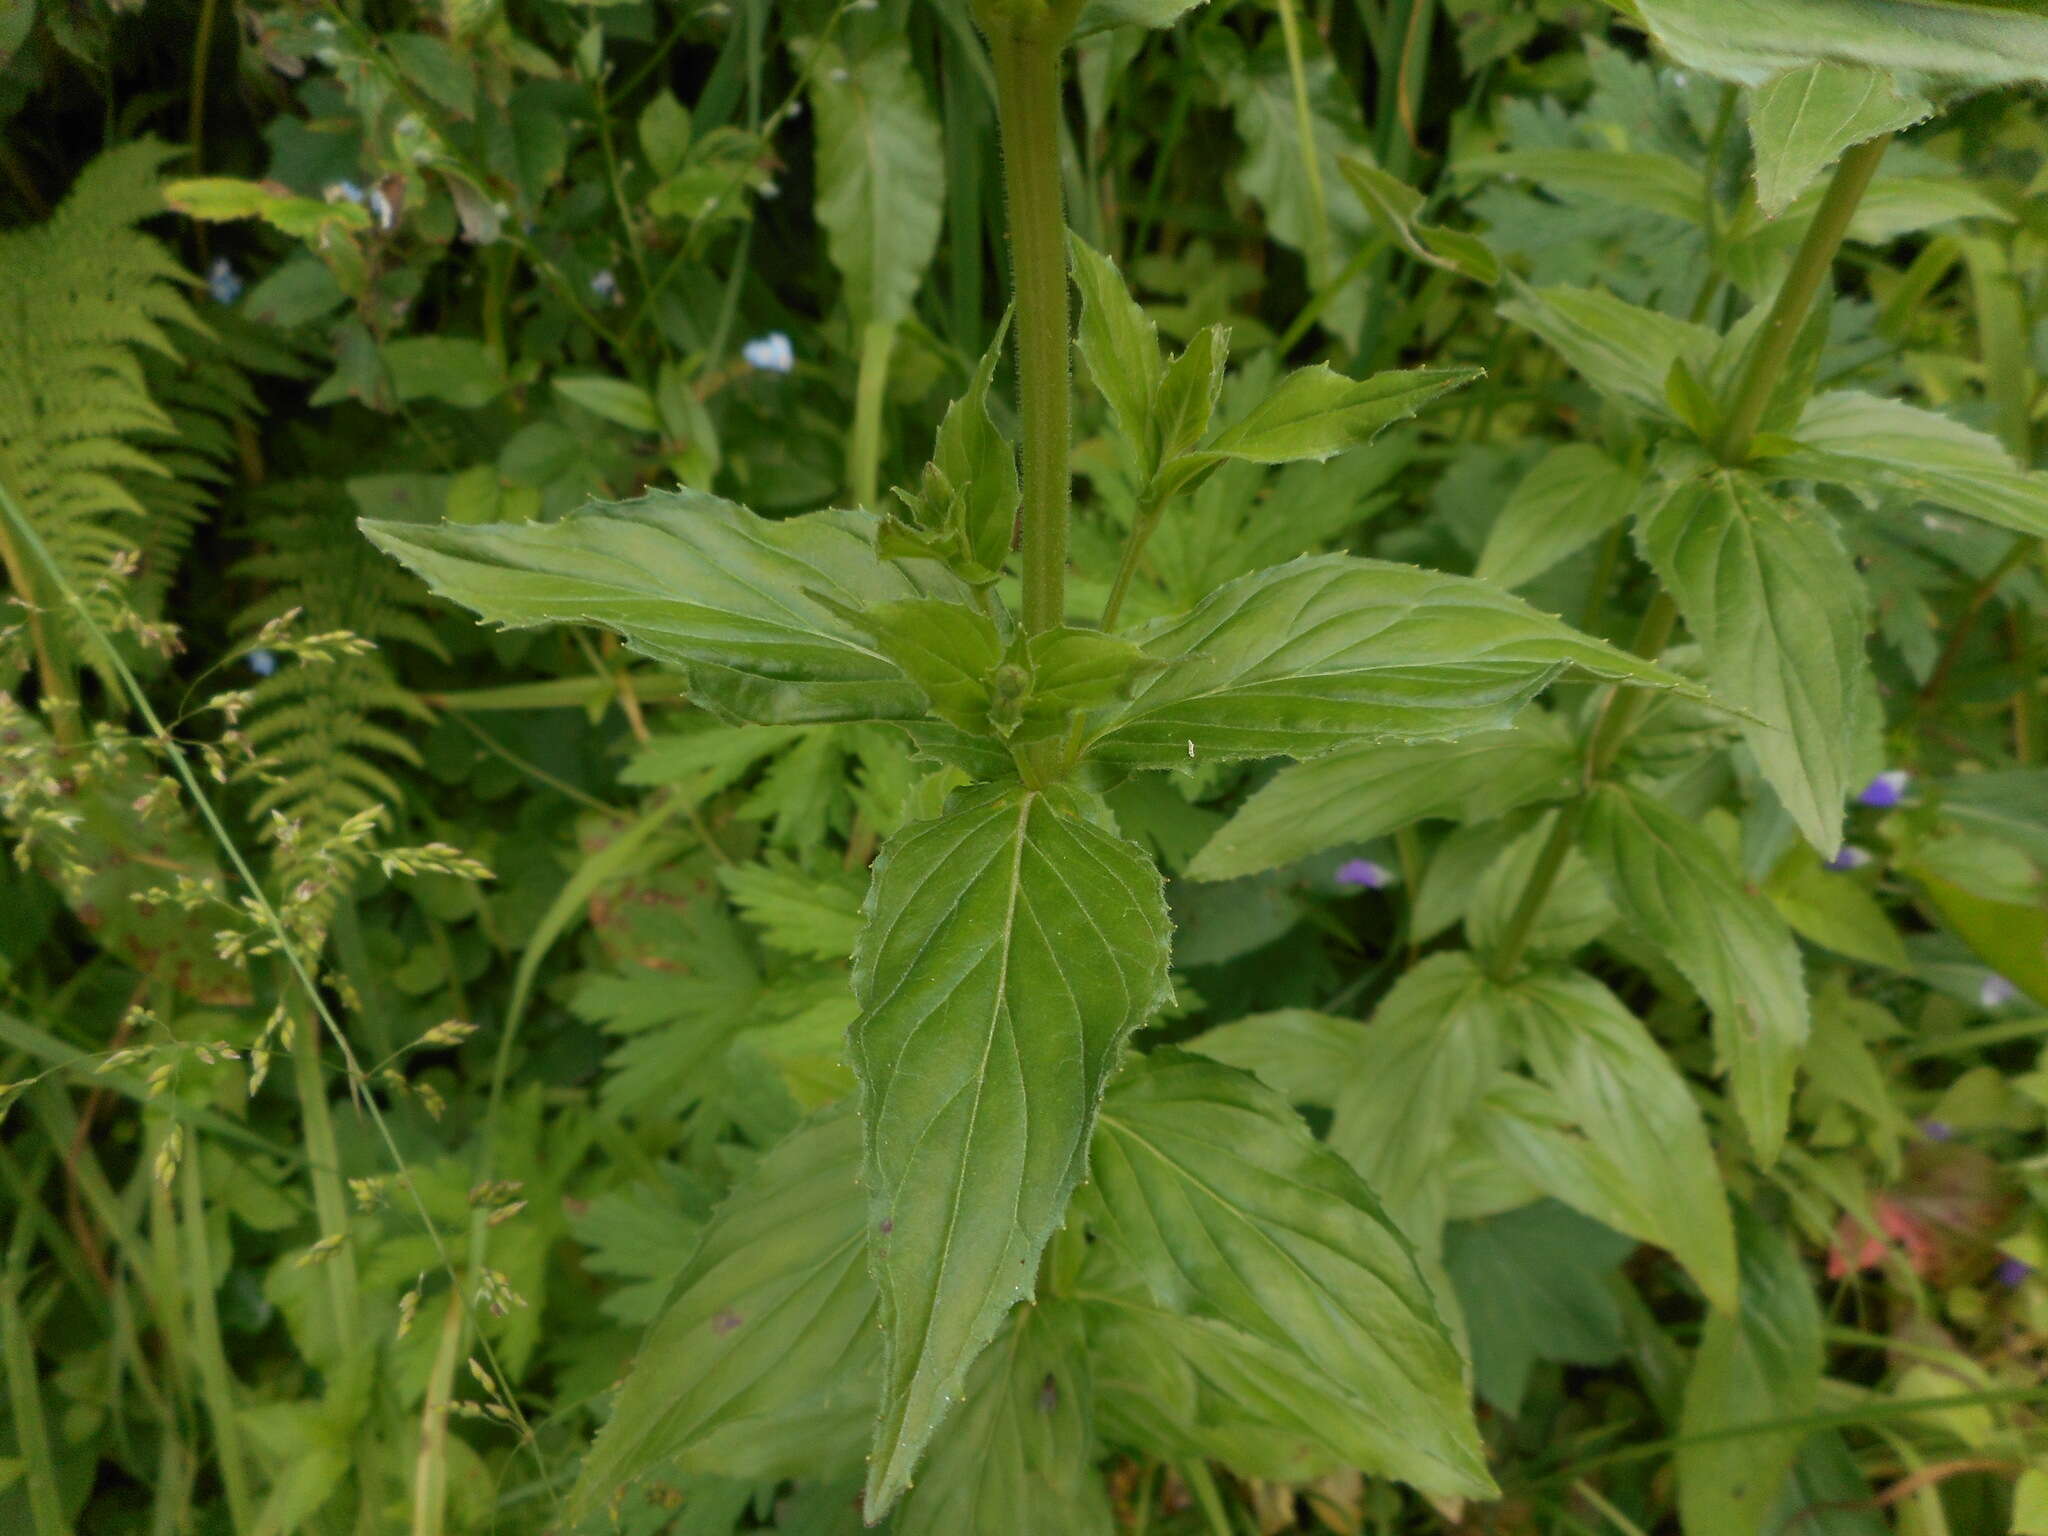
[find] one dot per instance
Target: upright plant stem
(1027, 69)
(1761, 370)
(1305, 134)
(1811, 264)
(864, 448)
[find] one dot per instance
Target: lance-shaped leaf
(763, 1365)
(1432, 1048)
(1010, 947)
(1636, 1115)
(1311, 414)
(1018, 1456)
(1218, 1195)
(1759, 1363)
(1802, 120)
(1099, 15)
(1121, 347)
(965, 506)
(1872, 444)
(1363, 792)
(1394, 205)
(881, 173)
(1621, 349)
(1326, 650)
(1574, 494)
(1675, 885)
(703, 585)
(1749, 41)
(1779, 609)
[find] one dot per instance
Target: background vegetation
(387, 1003)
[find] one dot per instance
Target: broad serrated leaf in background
(1220, 1198)
(1019, 1453)
(1758, 1363)
(1575, 493)
(1774, 600)
(1802, 120)
(1675, 886)
(763, 1364)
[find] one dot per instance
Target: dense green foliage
(1401, 887)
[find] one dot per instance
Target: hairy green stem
(1027, 68)
(1305, 135)
(1811, 265)
(1134, 546)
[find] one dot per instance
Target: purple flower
(1849, 857)
(1937, 1130)
(1996, 991)
(1363, 874)
(2013, 1273)
(1886, 790)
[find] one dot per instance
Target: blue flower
(1886, 790)
(1937, 1130)
(1363, 874)
(606, 286)
(1848, 857)
(345, 192)
(223, 281)
(263, 663)
(2013, 1273)
(771, 353)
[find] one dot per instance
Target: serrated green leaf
(1394, 206)
(1623, 350)
(1674, 884)
(1073, 671)
(1574, 494)
(797, 911)
(1189, 390)
(1749, 41)
(1326, 650)
(1010, 947)
(1315, 412)
(763, 1363)
(1434, 1045)
(1758, 1363)
(947, 650)
(976, 460)
(1300, 1054)
(1872, 444)
(1778, 607)
(1018, 1455)
(1120, 344)
(1217, 1194)
(1802, 120)
(881, 173)
(1359, 793)
(1637, 1116)
(1835, 911)
(702, 585)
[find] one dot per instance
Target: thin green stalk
(323, 1158)
(864, 447)
(216, 1382)
(1305, 139)
(1027, 67)
(24, 1399)
(430, 1468)
(1812, 264)
(1142, 527)
(1202, 1483)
